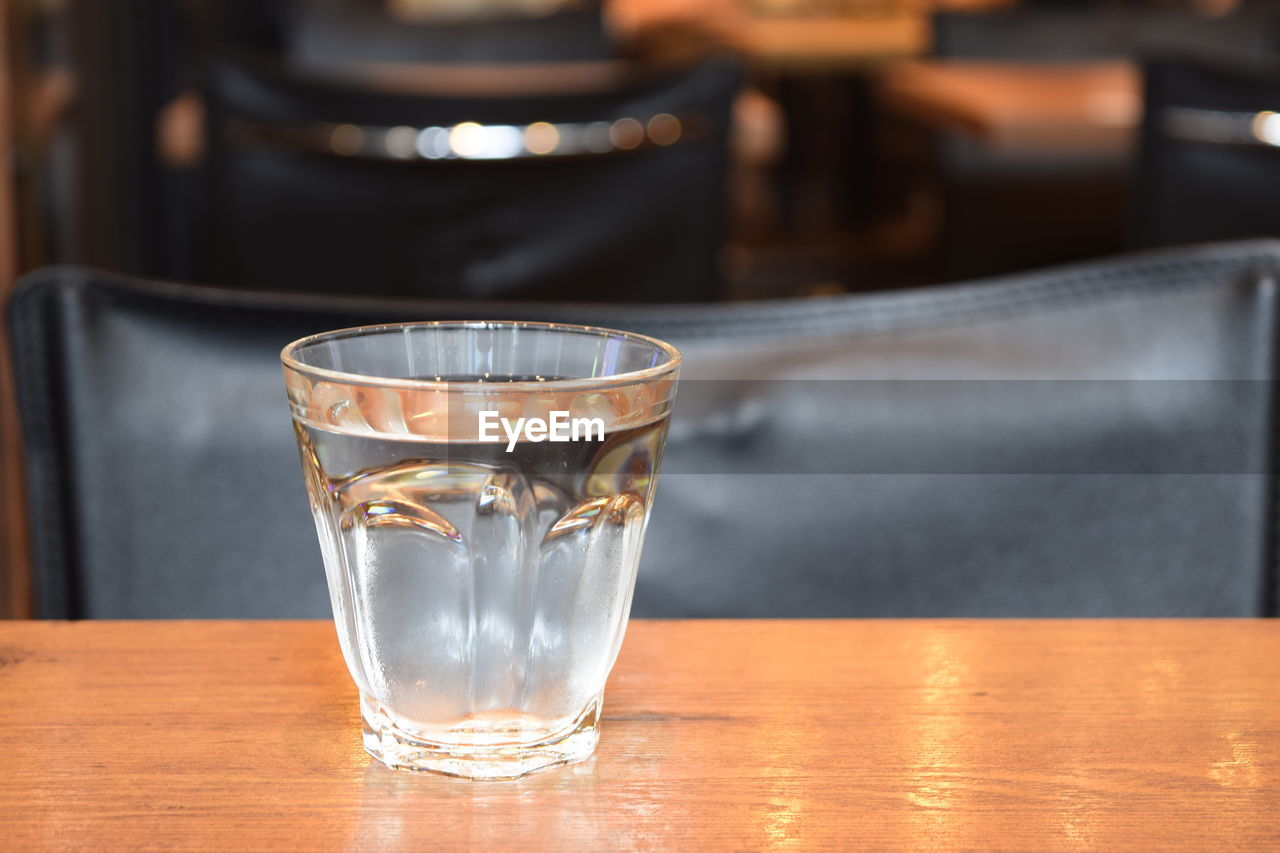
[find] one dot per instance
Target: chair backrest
(1209, 167)
(1095, 29)
(326, 34)
(1091, 441)
(320, 183)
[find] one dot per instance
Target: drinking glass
(481, 492)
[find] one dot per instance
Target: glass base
(502, 760)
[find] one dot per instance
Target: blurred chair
(1010, 210)
(536, 183)
(1071, 30)
(332, 34)
(1028, 32)
(1097, 440)
(1004, 210)
(1209, 165)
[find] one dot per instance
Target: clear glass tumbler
(481, 492)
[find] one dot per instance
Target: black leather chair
(1070, 30)
(1091, 441)
(1006, 211)
(1210, 152)
(322, 34)
(615, 192)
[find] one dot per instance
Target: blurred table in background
(742, 735)
(1087, 107)
(776, 37)
(831, 43)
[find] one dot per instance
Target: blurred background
(792, 148)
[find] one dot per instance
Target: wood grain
(1003, 735)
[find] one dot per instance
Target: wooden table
(788, 39)
(1019, 106)
(1001, 735)
(831, 44)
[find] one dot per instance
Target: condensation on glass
(480, 588)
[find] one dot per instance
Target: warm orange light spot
(664, 129)
(626, 133)
(541, 137)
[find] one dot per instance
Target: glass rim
(673, 361)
